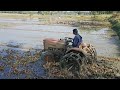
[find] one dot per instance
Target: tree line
(62, 12)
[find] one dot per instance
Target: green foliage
(116, 26)
(114, 19)
(101, 12)
(115, 23)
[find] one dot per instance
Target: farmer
(77, 39)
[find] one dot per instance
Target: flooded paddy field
(22, 40)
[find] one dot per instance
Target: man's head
(75, 31)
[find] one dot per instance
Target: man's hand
(70, 38)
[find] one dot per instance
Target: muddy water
(30, 35)
(105, 44)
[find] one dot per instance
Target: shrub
(115, 23)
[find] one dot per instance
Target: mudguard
(76, 50)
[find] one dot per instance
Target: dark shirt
(77, 40)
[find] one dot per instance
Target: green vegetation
(115, 23)
(60, 12)
(74, 19)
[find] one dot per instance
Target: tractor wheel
(95, 54)
(91, 54)
(72, 62)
